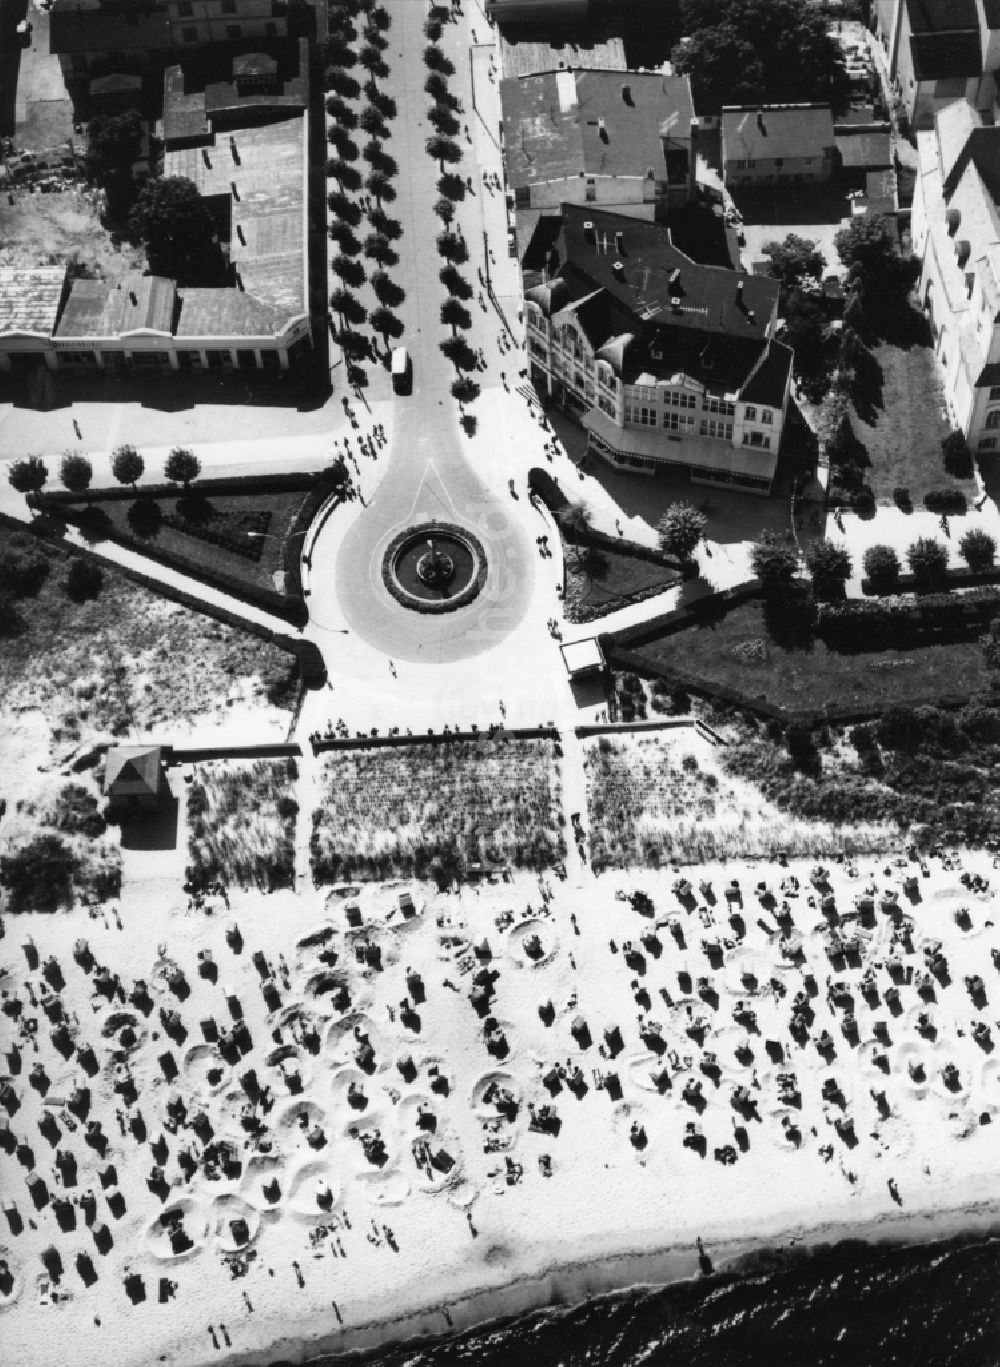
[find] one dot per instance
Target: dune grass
(241, 824)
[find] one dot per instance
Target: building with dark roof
(939, 51)
(955, 228)
(663, 361)
(622, 139)
(767, 144)
(134, 781)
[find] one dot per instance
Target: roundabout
(434, 567)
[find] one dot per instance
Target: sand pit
(711, 1061)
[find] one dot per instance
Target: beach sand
(373, 1158)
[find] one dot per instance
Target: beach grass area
(742, 650)
(447, 810)
(241, 824)
(666, 799)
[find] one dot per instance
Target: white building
(956, 231)
(664, 362)
(939, 51)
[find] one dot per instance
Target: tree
(957, 456)
(443, 150)
(442, 119)
(794, 261)
(182, 466)
(882, 567)
(172, 221)
(371, 122)
(830, 567)
(23, 567)
(465, 389)
(348, 270)
(386, 290)
(445, 210)
(437, 87)
(39, 875)
(76, 472)
(436, 60)
(83, 579)
(114, 143)
(754, 52)
(28, 476)
(341, 111)
(339, 138)
(379, 185)
(978, 549)
(459, 353)
(575, 521)
(869, 249)
(382, 223)
(343, 235)
(380, 249)
(373, 62)
(144, 518)
(455, 282)
(344, 209)
(452, 247)
(681, 529)
(376, 156)
(127, 465)
(352, 344)
(348, 305)
(774, 563)
(385, 323)
(928, 561)
(455, 315)
(348, 176)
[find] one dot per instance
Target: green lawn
(197, 519)
(904, 435)
(611, 579)
(802, 679)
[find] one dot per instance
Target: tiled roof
(139, 303)
(789, 130)
(864, 150)
(768, 382)
(225, 313)
(72, 29)
(937, 16)
(132, 771)
(29, 299)
(938, 56)
(553, 123)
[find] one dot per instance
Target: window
(678, 422)
(714, 405)
(713, 427)
(643, 417)
(779, 162)
(233, 30)
(606, 406)
(987, 444)
(993, 420)
(591, 191)
(757, 439)
(271, 30)
(765, 415)
(745, 165)
(995, 394)
(228, 6)
(750, 414)
(184, 10)
(189, 34)
(679, 398)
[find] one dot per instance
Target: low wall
(203, 754)
(320, 744)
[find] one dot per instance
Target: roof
(581, 656)
(29, 299)
(100, 308)
(72, 29)
(991, 8)
(193, 104)
(527, 57)
(115, 84)
(776, 130)
(769, 381)
(940, 16)
(880, 191)
(132, 771)
(267, 243)
(561, 123)
(938, 56)
(864, 150)
(225, 313)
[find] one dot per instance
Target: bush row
(872, 624)
(953, 579)
(280, 483)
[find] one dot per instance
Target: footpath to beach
(379, 1112)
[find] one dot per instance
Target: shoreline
(571, 1285)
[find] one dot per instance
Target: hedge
(946, 501)
(953, 579)
(239, 484)
(929, 618)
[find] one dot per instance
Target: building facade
(956, 232)
(939, 51)
(777, 143)
(663, 361)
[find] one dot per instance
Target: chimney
(602, 129)
(627, 94)
(760, 119)
(618, 270)
(236, 193)
(588, 230)
(205, 157)
(739, 293)
(675, 279)
(620, 242)
(133, 298)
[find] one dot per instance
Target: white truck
(402, 377)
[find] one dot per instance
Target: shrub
(928, 561)
(946, 501)
(978, 549)
(882, 567)
(830, 567)
(39, 876)
(957, 456)
(182, 466)
(23, 567)
(127, 465)
(801, 745)
(774, 563)
(544, 486)
(83, 579)
(76, 812)
(681, 528)
(76, 472)
(28, 476)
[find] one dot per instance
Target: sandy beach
(384, 1111)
